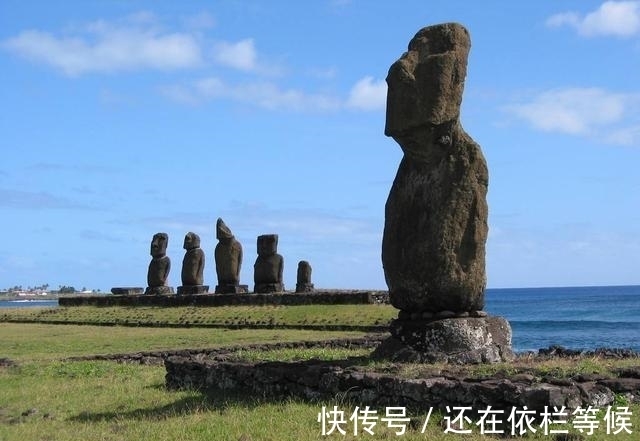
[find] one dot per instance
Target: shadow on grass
(204, 400)
(197, 402)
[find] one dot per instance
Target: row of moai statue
(267, 270)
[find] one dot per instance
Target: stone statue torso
(193, 267)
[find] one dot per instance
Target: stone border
(328, 380)
(315, 298)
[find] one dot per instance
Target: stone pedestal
(193, 289)
(266, 288)
(467, 340)
(159, 290)
(304, 287)
(231, 288)
(127, 291)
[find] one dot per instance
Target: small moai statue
(159, 266)
(303, 282)
(267, 271)
(192, 266)
(228, 256)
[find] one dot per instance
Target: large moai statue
(433, 248)
(228, 256)
(193, 266)
(303, 277)
(159, 266)
(269, 266)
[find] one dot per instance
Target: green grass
(232, 316)
(298, 354)
(108, 401)
(45, 397)
(99, 400)
(45, 342)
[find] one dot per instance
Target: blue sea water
(27, 303)
(573, 317)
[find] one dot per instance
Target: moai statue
(228, 256)
(192, 266)
(303, 282)
(159, 266)
(433, 246)
(267, 271)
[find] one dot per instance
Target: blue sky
(121, 119)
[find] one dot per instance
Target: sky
(121, 119)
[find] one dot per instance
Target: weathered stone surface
(433, 249)
(265, 288)
(228, 257)
(160, 264)
(595, 394)
(193, 262)
(620, 385)
(269, 265)
(232, 289)
(303, 280)
(193, 289)
(159, 290)
(335, 297)
(127, 291)
(455, 340)
(314, 380)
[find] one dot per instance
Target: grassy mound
(305, 316)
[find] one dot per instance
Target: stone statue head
(222, 231)
(159, 245)
(425, 85)
(267, 244)
(191, 241)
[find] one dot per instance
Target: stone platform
(320, 297)
(156, 291)
(231, 288)
(460, 340)
(127, 290)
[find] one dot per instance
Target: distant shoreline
(13, 298)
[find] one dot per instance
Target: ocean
(576, 317)
(573, 317)
(27, 303)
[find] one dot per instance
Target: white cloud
(368, 94)
(575, 111)
(241, 55)
(365, 95)
(616, 18)
(136, 42)
(261, 94)
(107, 47)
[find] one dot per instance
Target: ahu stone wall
(336, 297)
(318, 380)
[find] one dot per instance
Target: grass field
(45, 397)
(310, 316)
